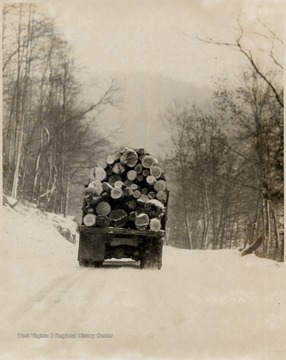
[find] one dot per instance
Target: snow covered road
(201, 305)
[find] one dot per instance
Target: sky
(152, 49)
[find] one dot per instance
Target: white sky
(123, 36)
(154, 39)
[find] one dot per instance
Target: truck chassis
(99, 244)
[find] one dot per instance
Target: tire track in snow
(45, 299)
(63, 294)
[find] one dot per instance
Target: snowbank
(32, 250)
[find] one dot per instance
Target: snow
(200, 305)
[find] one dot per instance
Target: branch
(238, 46)
(250, 58)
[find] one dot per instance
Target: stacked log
(127, 190)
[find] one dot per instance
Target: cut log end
(156, 171)
(89, 220)
(118, 168)
(155, 225)
(142, 221)
(131, 175)
(129, 158)
(103, 208)
(118, 218)
(148, 161)
(103, 221)
(116, 193)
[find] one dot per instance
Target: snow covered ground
(200, 305)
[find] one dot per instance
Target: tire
(86, 263)
(97, 263)
(151, 254)
(83, 263)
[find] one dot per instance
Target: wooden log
(102, 163)
(144, 197)
(110, 159)
(151, 195)
(131, 175)
(95, 200)
(140, 178)
(113, 178)
(155, 224)
(128, 192)
(119, 184)
(146, 172)
(131, 204)
(134, 187)
(103, 208)
(136, 194)
(117, 193)
(107, 187)
(151, 180)
(103, 221)
(141, 151)
(154, 204)
(88, 193)
(138, 168)
(140, 204)
(144, 191)
(162, 196)
(160, 185)
(156, 171)
(148, 161)
(117, 155)
(128, 183)
(100, 173)
(88, 209)
(89, 220)
(118, 217)
(132, 216)
(97, 185)
(123, 149)
(109, 171)
(142, 221)
(129, 158)
(118, 168)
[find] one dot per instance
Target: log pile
(126, 190)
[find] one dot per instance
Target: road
(194, 309)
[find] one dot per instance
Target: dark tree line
(48, 131)
(226, 166)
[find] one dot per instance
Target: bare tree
(202, 166)
(47, 126)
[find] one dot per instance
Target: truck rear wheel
(151, 254)
(86, 263)
(97, 263)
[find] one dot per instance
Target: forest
(49, 133)
(227, 162)
(224, 162)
